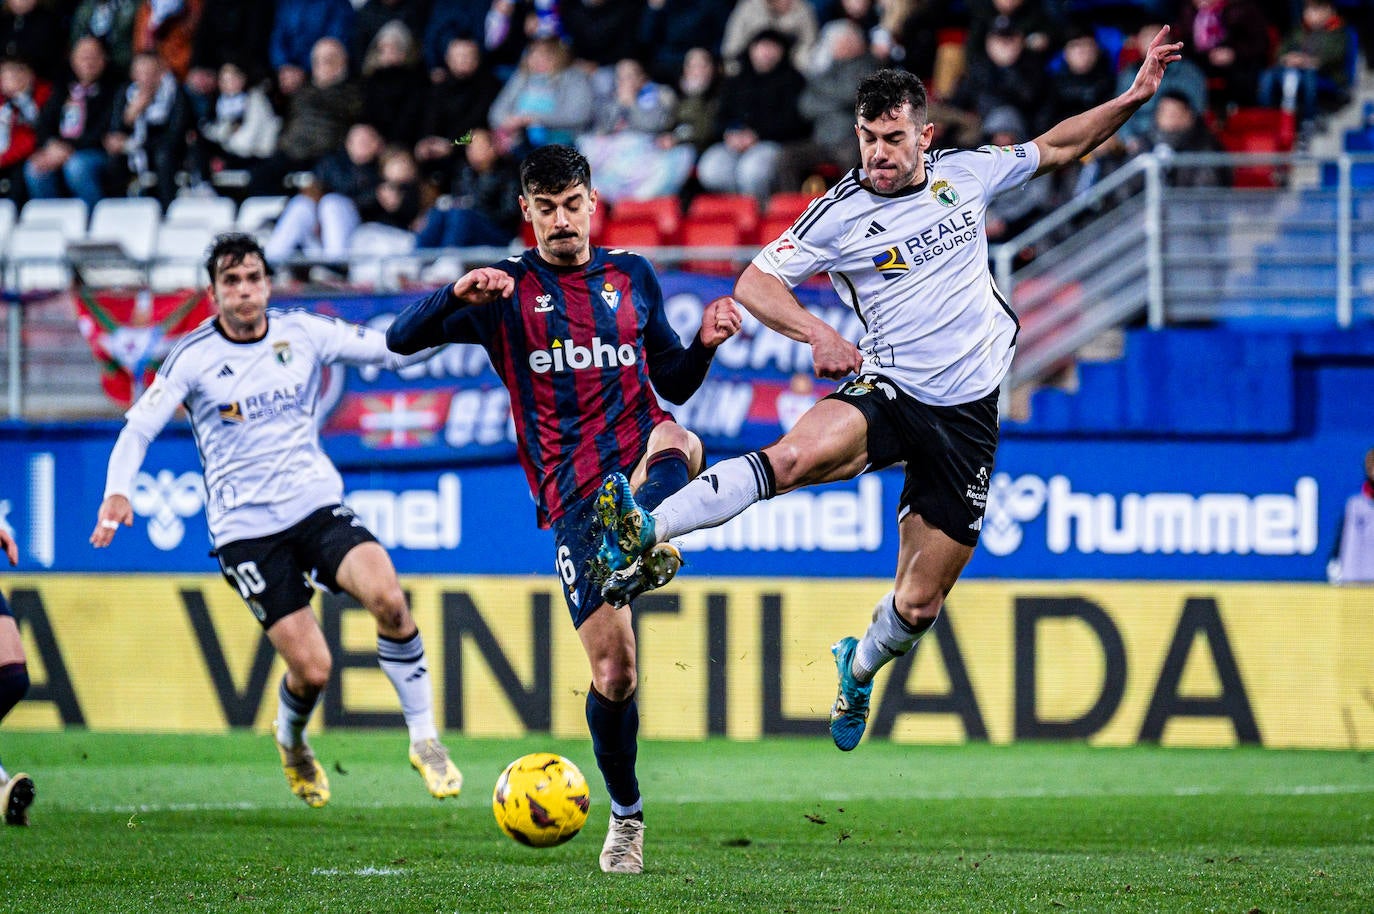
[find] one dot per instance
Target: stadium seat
(215, 213)
(256, 213)
(66, 215)
(741, 209)
(772, 226)
(178, 257)
(1271, 122)
(377, 256)
(788, 203)
(36, 258)
(718, 230)
(130, 222)
(665, 211)
(9, 214)
(632, 233)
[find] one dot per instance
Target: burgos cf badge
(230, 413)
(890, 263)
(282, 351)
(944, 193)
(611, 296)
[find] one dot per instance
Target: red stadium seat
(772, 226)
(788, 203)
(741, 209)
(632, 233)
(666, 211)
(711, 231)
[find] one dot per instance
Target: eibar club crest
(611, 296)
(282, 351)
(944, 193)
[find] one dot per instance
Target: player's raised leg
(299, 641)
(928, 564)
(613, 719)
(368, 574)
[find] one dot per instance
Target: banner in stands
(1203, 510)
(1201, 664)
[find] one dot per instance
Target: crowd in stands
(410, 116)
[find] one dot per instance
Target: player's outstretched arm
(114, 511)
(765, 297)
(720, 320)
(483, 286)
(1075, 137)
(11, 548)
(125, 459)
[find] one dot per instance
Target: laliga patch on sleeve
(781, 251)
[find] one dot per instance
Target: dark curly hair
(230, 250)
(885, 91)
(553, 169)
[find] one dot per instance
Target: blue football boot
(849, 714)
(627, 530)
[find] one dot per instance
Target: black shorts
(278, 574)
(949, 452)
(5, 607)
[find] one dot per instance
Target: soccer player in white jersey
(16, 790)
(250, 381)
(903, 241)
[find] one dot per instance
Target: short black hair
(885, 91)
(553, 169)
(230, 250)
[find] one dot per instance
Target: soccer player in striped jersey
(902, 239)
(16, 791)
(250, 381)
(578, 335)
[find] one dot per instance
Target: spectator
(698, 106)
(758, 114)
(168, 29)
(451, 20)
(22, 96)
(907, 35)
(71, 154)
(1229, 39)
(1029, 17)
(320, 220)
(297, 29)
(794, 19)
(242, 130)
(669, 29)
(546, 101)
(1178, 128)
(394, 85)
(632, 149)
(828, 103)
(152, 115)
(317, 118)
(602, 32)
(859, 13)
(390, 221)
(1183, 77)
(1085, 80)
(1312, 55)
(1352, 557)
(236, 33)
(112, 22)
(1004, 74)
(511, 25)
(482, 206)
(372, 15)
(458, 102)
(31, 30)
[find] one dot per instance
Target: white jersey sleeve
(338, 340)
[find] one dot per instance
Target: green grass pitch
(205, 823)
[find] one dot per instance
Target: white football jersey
(914, 266)
(252, 409)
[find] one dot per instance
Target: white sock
(887, 638)
(293, 713)
(4, 776)
(716, 496)
(404, 664)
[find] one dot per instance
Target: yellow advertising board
(1113, 663)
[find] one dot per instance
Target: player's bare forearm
(766, 298)
(1075, 137)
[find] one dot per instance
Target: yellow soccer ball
(541, 800)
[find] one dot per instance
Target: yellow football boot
(441, 776)
(304, 775)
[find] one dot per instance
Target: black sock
(614, 726)
(666, 473)
(14, 685)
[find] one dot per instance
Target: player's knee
(615, 680)
(312, 674)
(917, 606)
(388, 606)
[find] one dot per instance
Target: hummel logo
(874, 229)
(225, 372)
(712, 481)
(543, 303)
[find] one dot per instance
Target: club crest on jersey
(543, 303)
(230, 413)
(611, 296)
(282, 351)
(944, 193)
(890, 263)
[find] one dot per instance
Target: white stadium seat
(9, 214)
(36, 258)
(256, 212)
(179, 258)
(67, 216)
(130, 222)
(214, 213)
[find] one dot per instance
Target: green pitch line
(205, 823)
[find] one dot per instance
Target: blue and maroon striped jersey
(577, 347)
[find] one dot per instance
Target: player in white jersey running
(250, 381)
(903, 241)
